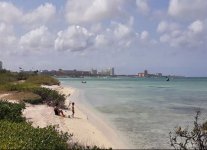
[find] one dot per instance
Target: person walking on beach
(73, 109)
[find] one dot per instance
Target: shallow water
(145, 110)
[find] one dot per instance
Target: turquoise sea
(145, 110)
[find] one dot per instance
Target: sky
(167, 36)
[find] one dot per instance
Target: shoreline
(99, 121)
(87, 128)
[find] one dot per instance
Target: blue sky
(167, 36)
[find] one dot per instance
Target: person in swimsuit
(73, 109)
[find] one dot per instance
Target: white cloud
(192, 37)
(7, 36)
(79, 11)
(165, 38)
(144, 35)
(40, 15)
(101, 40)
(122, 31)
(196, 26)
(75, 38)
(9, 13)
(188, 9)
(96, 27)
(121, 35)
(37, 39)
(165, 26)
(143, 6)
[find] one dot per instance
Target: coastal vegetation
(195, 138)
(27, 87)
(50, 96)
(11, 111)
(15, 131)
(42, 79)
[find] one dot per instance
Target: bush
(16, 133)
(42, 80)
(52, 96)
(18, 87)
(24, 136)
(34, 101)
(194, 139)
(22, 76)
(11, 112)
(6, 77)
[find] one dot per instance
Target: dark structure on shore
(71, 73)
(79, 73)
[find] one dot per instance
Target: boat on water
(83, 81)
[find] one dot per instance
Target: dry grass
(20, 96)
(3, 92)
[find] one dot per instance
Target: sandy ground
(87, 128)
(81, 126)
(3, 97)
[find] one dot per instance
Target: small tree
(195, 139)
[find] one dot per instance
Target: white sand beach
(86, 127)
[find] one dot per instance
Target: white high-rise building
(1, 65)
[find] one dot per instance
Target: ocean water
(145, 110)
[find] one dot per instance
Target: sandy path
(3, 95)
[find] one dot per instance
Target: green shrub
(34, 101)
(6, 77)
(22, 76)
(18, 87)
(24, 136)
(11, 112)
(52, 96)
(42, 80)
(16, 133)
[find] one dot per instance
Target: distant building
(107, 72)
(159, 74)
(72, 73)
(79, 73)
(1, 65)
(141, 75)
(104, 72)
(94, 72)
(145, 73)
(112, 71)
